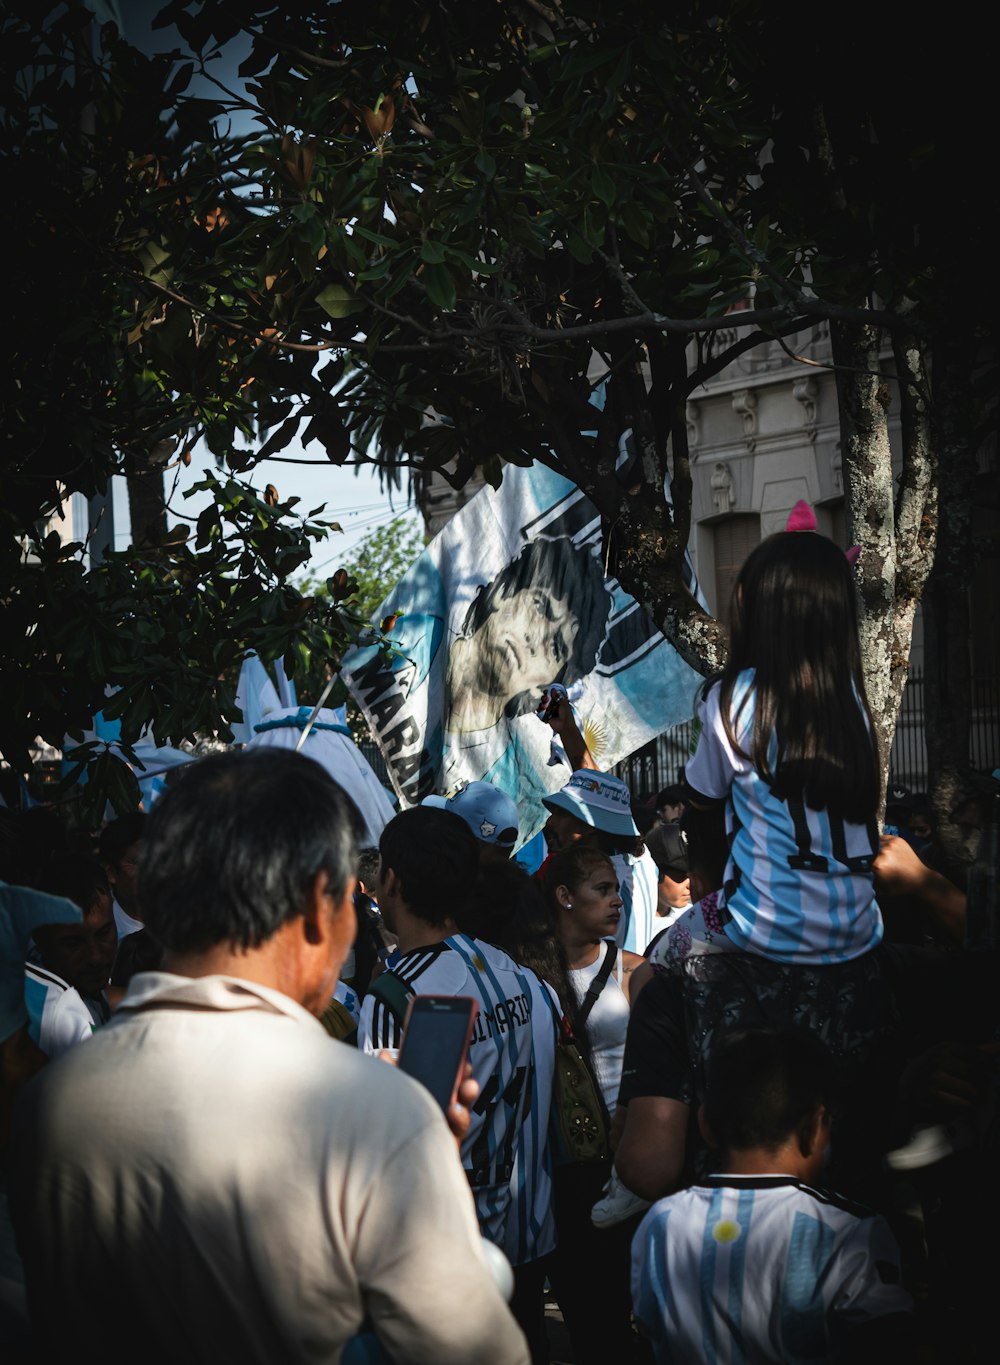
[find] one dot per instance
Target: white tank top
(606, 1026)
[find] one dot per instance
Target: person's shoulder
(480, 956)
(41, 976)
(657, 1216)
(837, 1203)
(500, 962)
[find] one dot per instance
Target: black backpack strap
(394, 993)
(597, 985)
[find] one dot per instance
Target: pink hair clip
(803, 518)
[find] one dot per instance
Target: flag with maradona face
(509, 597)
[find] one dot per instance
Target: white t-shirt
(124, 922)
(505, 1154)
(606, 1026)
(638, 880)
(258, 1192)
(759, 1268)
(798, 882)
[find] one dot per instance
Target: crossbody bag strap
(393, 993)
(597, 985)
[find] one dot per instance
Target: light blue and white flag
(509, 597)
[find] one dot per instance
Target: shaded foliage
(428, 236)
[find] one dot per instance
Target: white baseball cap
(489, 812)
(598, 799)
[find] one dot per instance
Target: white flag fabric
(509, 597)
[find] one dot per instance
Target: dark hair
(569, 867)
(119, 836)
(762, 1084)
(708, 844)
(436, 858)
(77, 876)
(563, 570)
(645, 818)
(793, 621)
(368, 868)
(509, 911)
(232, 847)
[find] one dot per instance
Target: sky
(352, 498)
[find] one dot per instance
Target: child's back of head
(764, 1090)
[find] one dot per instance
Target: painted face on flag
(525, 642)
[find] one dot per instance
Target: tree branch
(749, 249)
(329, 63)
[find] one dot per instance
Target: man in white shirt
(213, 1173)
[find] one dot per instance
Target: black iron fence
(656, 765)
(908, 760)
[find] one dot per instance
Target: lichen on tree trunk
(867, 463)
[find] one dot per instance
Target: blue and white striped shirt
(798, 882)
(505, 1154)
(57, 1015)
(759, 1268)
(638, 879)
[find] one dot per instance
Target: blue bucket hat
(599, 800)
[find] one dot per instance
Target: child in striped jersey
(787, 749)
(755, 1265)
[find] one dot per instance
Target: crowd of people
(731, 1089)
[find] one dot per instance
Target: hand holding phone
(436, 1037)
(548, 707)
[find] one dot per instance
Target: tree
(480, 218)
(374, 566)
(167, 621)
(364, 580)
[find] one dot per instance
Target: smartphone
(551, 697)
(436, 1036)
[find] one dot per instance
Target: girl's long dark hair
(509, 911)
(793, 621)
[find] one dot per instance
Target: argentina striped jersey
(744, 1269)
(57, 1015)
(798, 882)
(637, 883)
(505, 1154)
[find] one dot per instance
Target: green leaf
(635, 223)
(337, 301)
(432, 252)
(440, 286)
(579, 249)
(603, 186)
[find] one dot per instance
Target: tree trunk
(647, 539)
(947, 665)
(867, 462)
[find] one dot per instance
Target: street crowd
(731, 1091)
